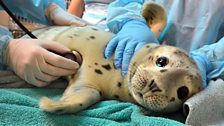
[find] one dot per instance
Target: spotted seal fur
(160, 77)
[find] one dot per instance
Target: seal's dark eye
(162, 61)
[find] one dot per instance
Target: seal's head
(163, 79)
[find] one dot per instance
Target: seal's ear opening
(155, 16)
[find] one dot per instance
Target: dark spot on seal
(171, 65)
(95, 29)
(75, 35)
(116, 96)
(80, 104)
(163, 70)
(148, 46)
(119, 84)
(98, 71)
(101, 93)
(70, 36)
(130, 94)
(177, 52)
(172, 99)
(89, 66)
(96, 64)
(107, 67)
(92, 37)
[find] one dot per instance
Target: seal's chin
(155, 103)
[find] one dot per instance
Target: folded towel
(20, 107)
(206, 107)
(9, 79)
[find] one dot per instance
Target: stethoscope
(16, 20)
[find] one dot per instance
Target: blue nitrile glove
(204, 66)
(133, 35)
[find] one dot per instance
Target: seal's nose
(153, 87)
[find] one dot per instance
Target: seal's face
(164, 79)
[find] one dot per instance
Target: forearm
(32, 9)
(122, 10)
(215, 54)
(5, 36)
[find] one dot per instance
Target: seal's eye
(162, 61)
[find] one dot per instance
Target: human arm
(210, 60)
(32, 61)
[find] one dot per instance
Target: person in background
(76, 7)
(33, 59)
(92, 11)
(195, 26)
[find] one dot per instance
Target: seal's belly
(90, 42)
(86, 40)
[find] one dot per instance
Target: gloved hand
(61, 17)
(31, 60)
(133, 35)
(203, 64)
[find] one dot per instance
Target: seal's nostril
(151, 83)
(153, 87)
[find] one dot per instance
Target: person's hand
(133, 35)
(33, 61)
(203, 64)
(62, 17)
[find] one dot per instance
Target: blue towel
(19, 107)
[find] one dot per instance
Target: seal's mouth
(155, 102)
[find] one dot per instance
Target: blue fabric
(5, 36)
(121, 11)
(214, 66)
(133, 35)
(191, 25)
(32, 9)
(19, 107)
(204, 66)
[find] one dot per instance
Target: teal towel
(19, 107)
